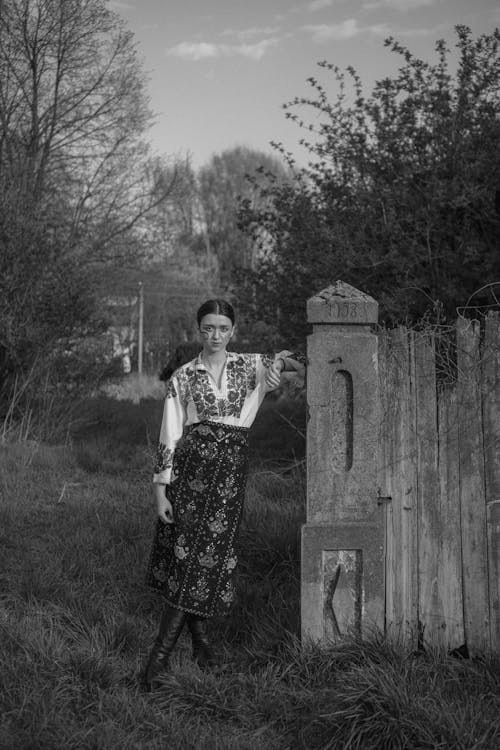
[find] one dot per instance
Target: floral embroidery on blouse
(170, 390)
(164, 458)
(184, 377)
(203, 396)
(267, 360)
(193, 397)
(241, 378)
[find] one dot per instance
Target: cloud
(118, 5)
(206, 50)
(421, 31)
(313, 6)
(195, 50)
(245, 34)
(255, 51)
(318, 5)
(401, 5)
(345, 30)
(322, 32)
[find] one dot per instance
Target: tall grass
(36, 409)
(76, 621)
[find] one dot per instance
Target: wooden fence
(440, 467)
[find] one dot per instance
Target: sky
(220, 70)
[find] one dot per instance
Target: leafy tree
(198, 245)
(77, 185)
(227, 178)
(399, 197)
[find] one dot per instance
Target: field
(76, 522)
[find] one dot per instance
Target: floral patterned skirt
(193, 560)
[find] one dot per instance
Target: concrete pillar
(342, 574)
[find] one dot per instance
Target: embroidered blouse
(192, 396)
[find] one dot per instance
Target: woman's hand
(163, 504)
(273, 374)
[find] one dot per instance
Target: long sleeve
(262, 363)
(172, 425)
(293, 360)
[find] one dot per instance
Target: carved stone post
(342, 588)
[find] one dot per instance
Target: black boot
(171, 624)
(203, 653)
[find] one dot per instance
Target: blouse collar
(198, 362)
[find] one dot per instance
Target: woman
(199, 481)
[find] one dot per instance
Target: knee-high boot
(203, 653)
(171, 624)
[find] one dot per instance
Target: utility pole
(141, 328)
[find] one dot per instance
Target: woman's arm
(284, 361)
(163, 504)
(172, 426)
(291, 361)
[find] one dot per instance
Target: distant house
(122, 311)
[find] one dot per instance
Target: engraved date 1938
(345, 310)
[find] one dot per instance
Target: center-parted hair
(215, 307)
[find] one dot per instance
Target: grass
(76, 523)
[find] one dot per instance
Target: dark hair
(215, 307)
(182, 354)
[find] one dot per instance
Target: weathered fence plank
(401, 545)
(491, 431)
(409, 499)
(429, 518)
(449, 568)
(472, 489)
(389, 422)
(384, 460)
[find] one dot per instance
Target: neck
(214, 358)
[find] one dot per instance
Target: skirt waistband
(218, 426)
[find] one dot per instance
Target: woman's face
(216, 330)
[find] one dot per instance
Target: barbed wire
(489, 286)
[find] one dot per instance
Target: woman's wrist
(283, 363)
(161, 489)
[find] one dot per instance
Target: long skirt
(193, 560)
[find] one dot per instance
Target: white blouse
(192, 396)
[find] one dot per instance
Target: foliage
(198, 247)
(227, 178)
(77, 623)
(76, 181)
(401, 196)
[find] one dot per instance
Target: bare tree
(73, 109)
(77, 183)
